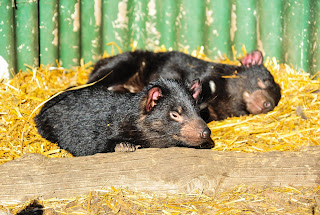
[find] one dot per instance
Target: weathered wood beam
(172, 170)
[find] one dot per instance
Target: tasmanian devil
(228, 90)
(93, 120)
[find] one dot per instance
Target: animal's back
(76, 118)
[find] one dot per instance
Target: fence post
(114, 24)
(270, 35)
(243, 24)
(166, 17)
(90, 30)
(152, 31)
(190, 24)
(315, 38)
(49, 31)
(137, 23)
(7, 48)
(217, 28)
(69, 32)
(296, 38)
(27, 37)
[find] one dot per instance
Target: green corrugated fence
(37, 32)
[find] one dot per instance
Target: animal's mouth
(195, 142)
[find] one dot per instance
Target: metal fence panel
(69, 30)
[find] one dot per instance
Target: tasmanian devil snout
(197, 133)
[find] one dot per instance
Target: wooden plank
(171, 170)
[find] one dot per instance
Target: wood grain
(171, 170)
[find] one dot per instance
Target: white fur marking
(111, 88)
(212, 86)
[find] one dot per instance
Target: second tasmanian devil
(227, 90)
(93, 120)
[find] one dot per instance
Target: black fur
(131, 71)
(35, 208)
(94, 120)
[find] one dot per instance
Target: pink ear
(196, 89)
(153, 95)
(253, 58)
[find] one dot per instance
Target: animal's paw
(126, 147)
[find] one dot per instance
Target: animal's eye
(267, 104)
(175, 116)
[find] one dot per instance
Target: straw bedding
(239, 200)
(294, 123)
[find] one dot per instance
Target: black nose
(206, 133)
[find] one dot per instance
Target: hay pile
(239, 200)
(294, 123)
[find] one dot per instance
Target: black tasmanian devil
(228, 90)
(93, 120)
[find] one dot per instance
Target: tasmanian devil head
(261, 94)
(170, 116)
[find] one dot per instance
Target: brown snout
(196, 133)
